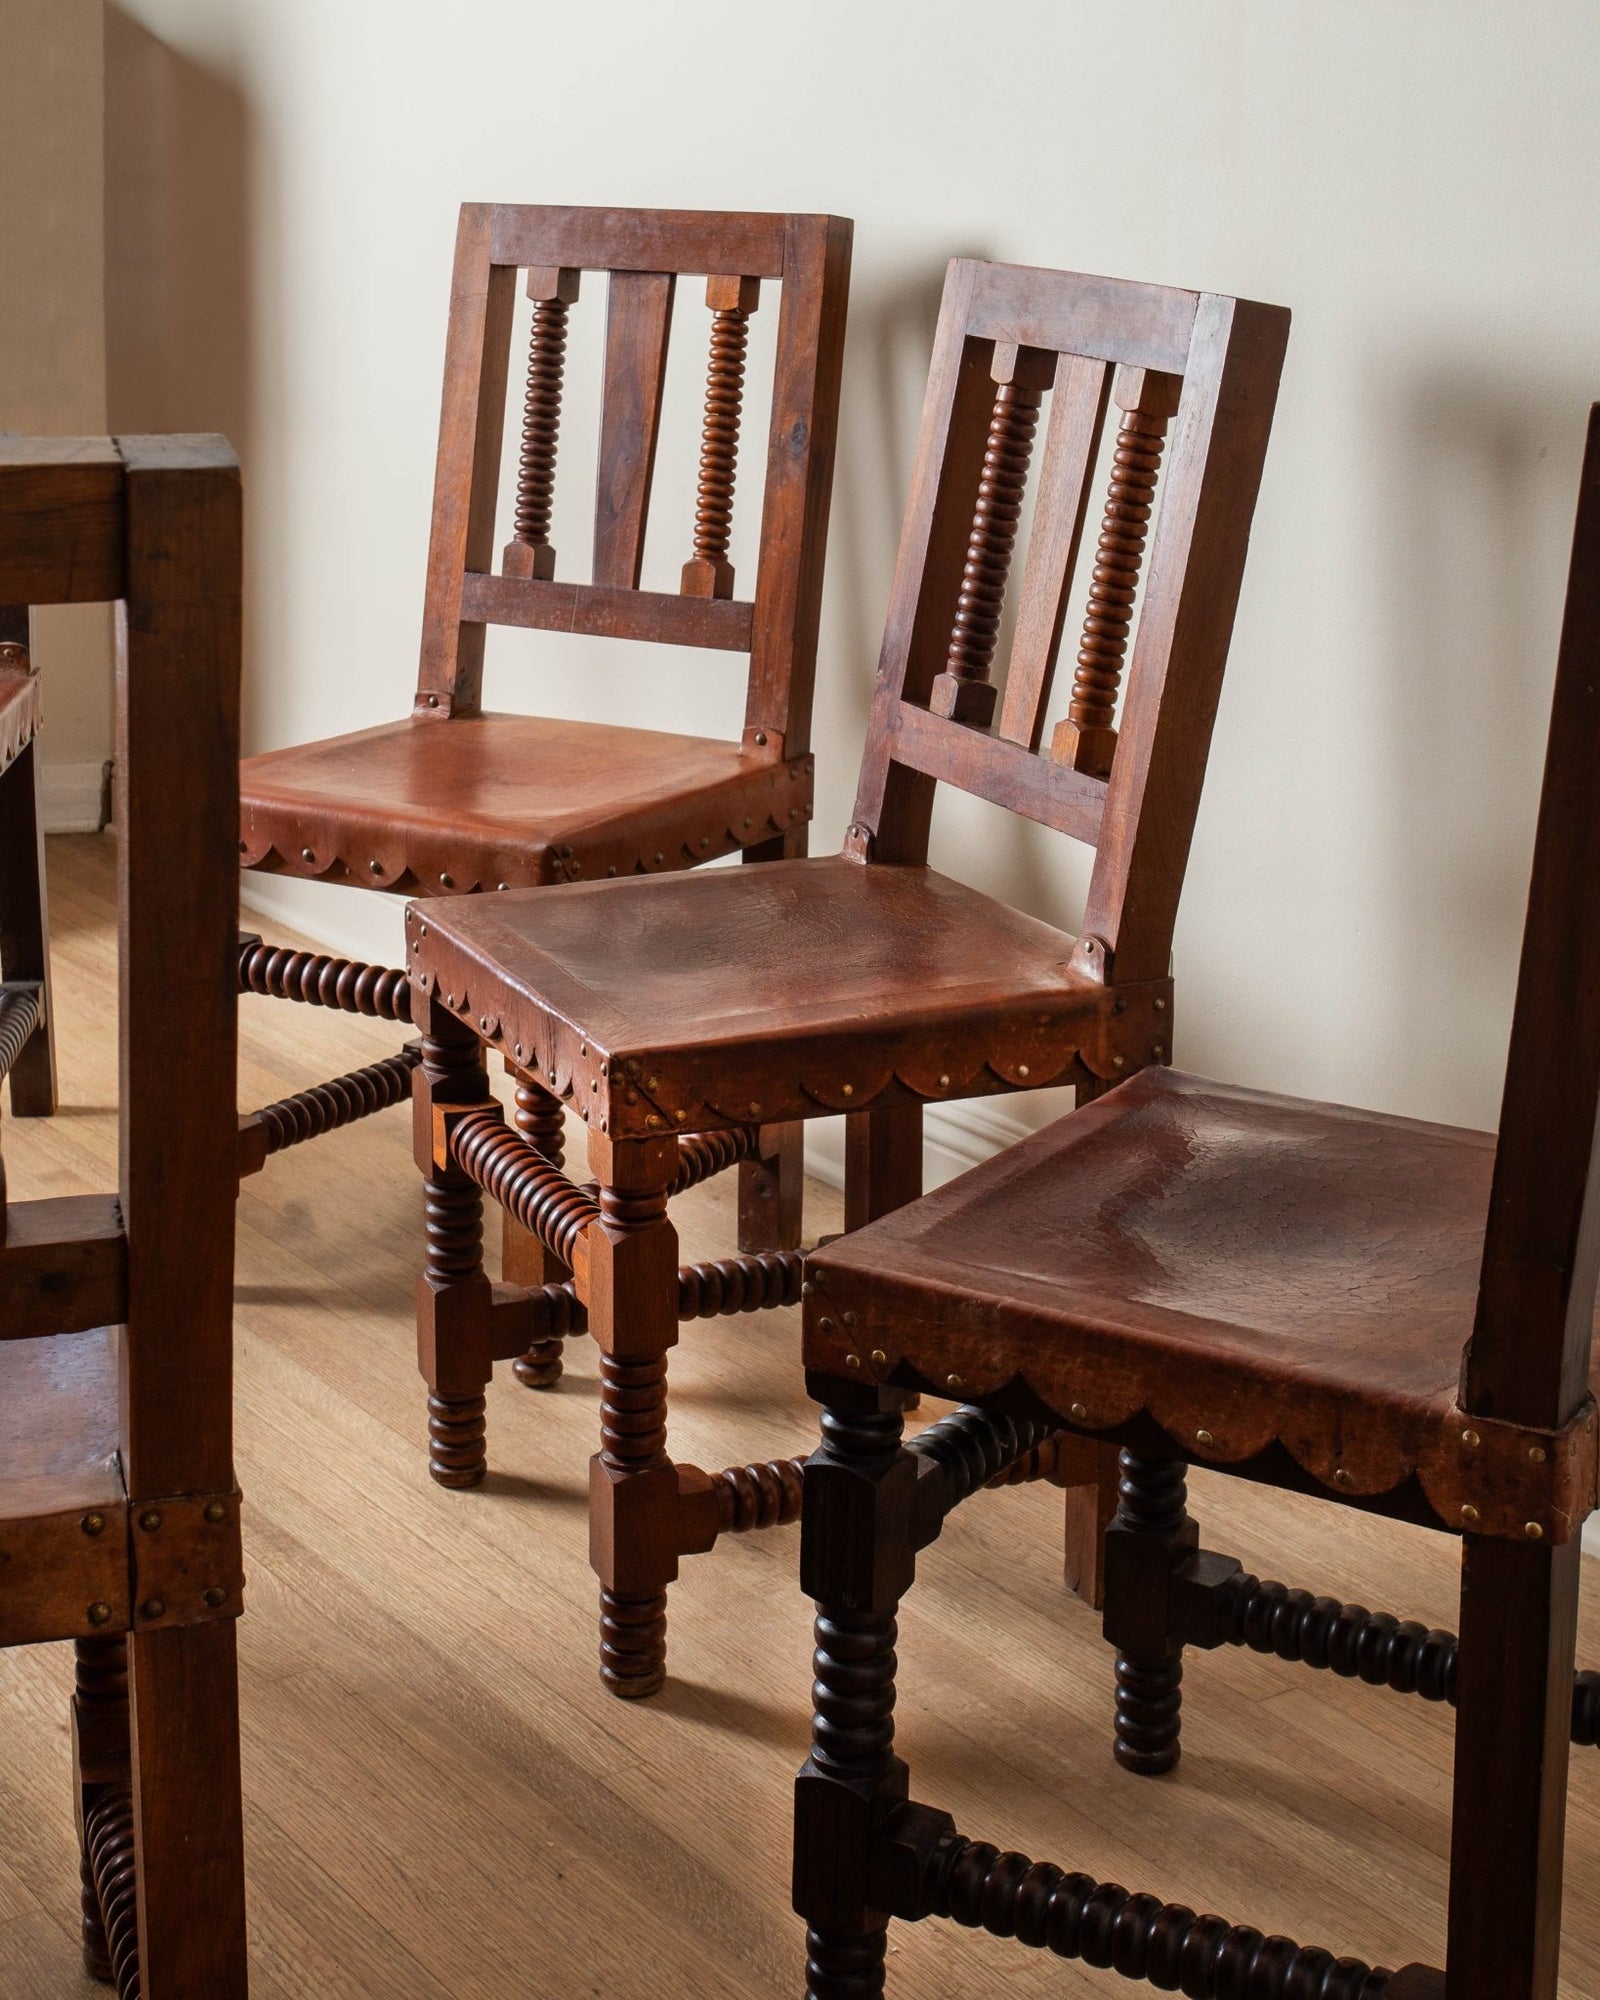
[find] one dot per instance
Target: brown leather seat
(488, 801)
(19, 713)
(845, 982)
(1244, 1269)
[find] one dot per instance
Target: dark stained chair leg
(184, 1689)
(102, 1778)
(634, 1533)
(454, 1296)
(524, 1260)
(857, 1563)
(1519, 1609)
(1149, 1536)
(25, 928)
(772, 1191)
(1091, 1507)
(882, 1162)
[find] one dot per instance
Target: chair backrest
(643, 252)
(1202, 367)
(1528, 1361)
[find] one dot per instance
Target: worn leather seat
(1245, 1270)
(489, 801)
(19, 712)
(843, 982)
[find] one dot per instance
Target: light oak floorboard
(443, 1804)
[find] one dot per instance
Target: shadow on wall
(1478, 533)
(178, 302)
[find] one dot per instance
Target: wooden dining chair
(24, 919)
(676, 1015)
(1392, 1316)
(119, 1516)
(459, 800)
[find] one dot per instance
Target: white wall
(52, 339)
(1419, 182)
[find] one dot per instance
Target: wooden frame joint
(185, 1560)
(1514, 1481)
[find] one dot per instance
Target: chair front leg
(630, 1285)
(524, 1260)
(1519, 1616)
(1149, 1536)
(857, 1561)
(102, 1785)
(455, 1301)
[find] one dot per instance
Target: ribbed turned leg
(633, 1446)
(454, 1298)
(856, 1561)
(105, 1804)
(635, 1537)
(524, 1260)
(1149, 1536)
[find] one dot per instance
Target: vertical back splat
(1086, 740)
(529, 552)
(963, 691)
(708, 573)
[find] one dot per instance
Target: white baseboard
(954, 1138)
(75, 798)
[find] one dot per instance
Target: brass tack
(1022, 1069)
(794, 812)
(852, 1361)
(447, 881)
(755, 1109)
(1119, 1006)
(848, 1318)
(94, 1524)
(807, 1289)
(704, 841)
(1533, 1531)
(594, 1083)
(376, 867)
(1469, 1514)
(1116, 1062)
(306, 854)
(632, 1096)
(747, 819)
(150, 1522)
(1080, 1413)
(681, 1117)
(612, 869)
(215, 1595)
(1537, 1453)
(449, 999)
(761, 738)
(1471, 1440)
(216, 1510)
(99, 1614)
(602, 1124)
(847, 1090)
(154, 1607)
(650, 1082)
(878, 1357)
(517, 1051)
(944, 1083)
(1204, 1439)
(1341, 1477)
(552, 1076)
(819, 1279)
(826, 1325)
(659, 859)
(422, 930)
(952, 1381)
(583, 1048)
(483, 1022)
(1159, 1052)
(433, 701)
(507, 885)
(653, 1123)
(1160, 1006)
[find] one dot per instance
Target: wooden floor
(441, 1801)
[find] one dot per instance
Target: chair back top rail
(154, 523)
(1189, 379)
(642, 253)
(1528, 1359)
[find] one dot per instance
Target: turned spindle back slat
(1191, 379)
(638, 255)
(1529, 1357)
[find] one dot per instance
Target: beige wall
(1418, 181)
(52, 314)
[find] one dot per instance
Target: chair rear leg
(1149, 1536)
(524, 1260)
(882, 1162)
(25, 929)
(184, 1690)
(1091, 1506)
(455, 1302)
(772, 1191)
(1519, 1610)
